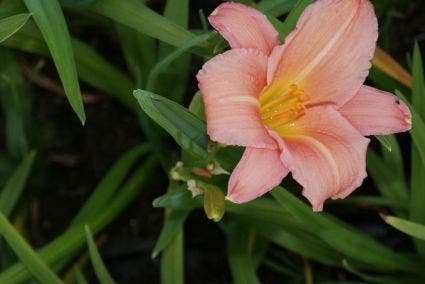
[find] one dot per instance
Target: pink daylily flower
(300, 107)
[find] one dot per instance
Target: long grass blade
(99, 266)
(10, 25)
(26, 254)
(51, 22)
(15, 185)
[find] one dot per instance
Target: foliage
(277, 233)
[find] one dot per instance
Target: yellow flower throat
(280, 106)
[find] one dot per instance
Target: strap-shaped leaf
(135, 14)
(411, 228)
(10, 25)
(275, 8)
(66, 245)
(51, 22)
(14, 186)
(343, 238)
(99, 266)
(173, 224)
(417, 195)
(188, 130)
(26, 254)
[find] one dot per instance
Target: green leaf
(98, 72)
(92, 68)
(239, 256)
(383, 81)
(384, 142)
(367, 201)
(10, 25)
(15, 185)
(172, 261)
(197, 107)
(15, 104)
(417, 195)
(275, 8)
(188, 131)
(110, 183)
(177, 199)
(343, 238)
(99, 267)
(164, 63)
(176, 11)
(10, 8)
(412, 229)
(418, 87)
(69, 243)
(388, 175)
(173, 224)
(51, 22)
(136, 15)
(79, 276)
(26, 254)
(418, 129)
(291, 20)
(139, 52)
(274, 223)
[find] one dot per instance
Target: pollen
(281, 106)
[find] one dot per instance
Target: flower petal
(258, 171)
(326, 155)
(230, 84)
(375, 112)
(328, 54)
(244, 27)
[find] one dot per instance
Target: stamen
(278, 110)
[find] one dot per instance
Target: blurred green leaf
(343, 238)
(239, 255)
(172, 261)
(79, 276)
(291, 20)
(418, 129)
(26, 254)
(13, 189)
(272, 222)
(366, 201)
(176, 11)
(91, 66)
(139, 52)
(10, 25)
(136, 15)
(99, 266)
(276, 8)
(65, 246)
(387, 171)
(173, 224)
(165, 62)
(412, 229)
(51, 22)
(384, 81)
(188, 131)
(197, 107)
(384, 142)
(15, 104)
(178, 199)
(417, 195)
(10, 8)
(110, 183)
